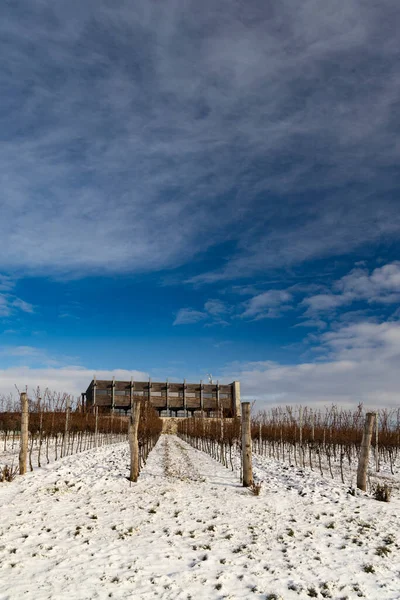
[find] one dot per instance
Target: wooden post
(94, 389)
(219, 402)
(364, 452)
(66, 429)
(236, 398)
(40, 434)
(96, 427)
(313, 427)
(23, 451)
(246, 445)
(185, 412)
(301, 425)
(376, 443)
(221, 416)
(113, 395)
(131, 394)
(167, 398)
(133, 440)
(201, 396)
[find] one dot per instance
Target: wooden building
(169, 399)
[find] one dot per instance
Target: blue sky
(202, 188)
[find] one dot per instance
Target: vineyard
(324, 441)
(56, 431)
(83, 527)
(327, 441)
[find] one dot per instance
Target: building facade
(169, 399)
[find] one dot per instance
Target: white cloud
(216, 307)
(357, 363)
(10, 304)
(5, 309)
(172, 124)
(70, 379)
(186, 316)
(214, 311)
(22, 305)
(269, 304)
(33, 356)
(361, 366)
(381, 286)
(22, 351)
(364, 340)
(6, 283)
(312, 323)
(322, 302)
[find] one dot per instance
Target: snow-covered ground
(47, 453)
(77, 529)
(385, 473)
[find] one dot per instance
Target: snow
(187, 530)
(49, 453)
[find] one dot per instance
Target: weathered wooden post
(133, 440)
(185, 412)
(246, 445)
(201, 396)
(364, 451)
(301, 425)
(66, 428)
(313, 417)
(40, 434)
(94, 389)
(131, 394)
(96, 427)
(113, 395)
(236, 398)
(23, 450)
(377, 467)
(168, 411)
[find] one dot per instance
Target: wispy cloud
(6, 283)
(216, 307)
(319, 323)
(70, 310)
(32, 356)
(70, 379)
(364, 341)
(214, 312)
(10, 304)
(187, 316)
(360, 364)
(268, 305)
(381, 286)
(4, 306)
(135, 135)
(30, 351)
(22, 305)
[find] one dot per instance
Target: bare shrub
(256, 488)
(8, 473)
(382, 492)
